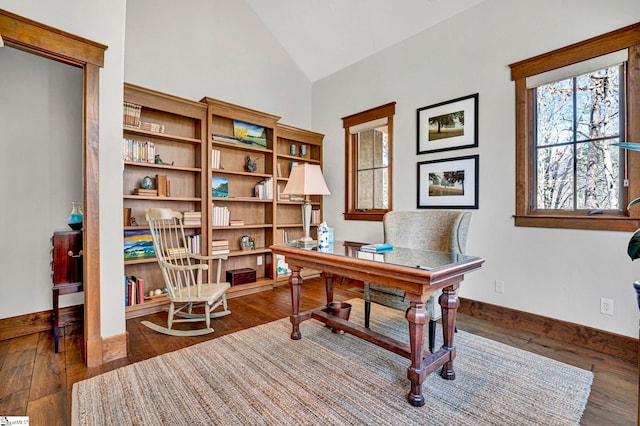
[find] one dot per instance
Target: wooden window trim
(383, 111)
(624, 38)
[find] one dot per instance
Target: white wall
(556, 273)
(215, 48)
(101, 21)
(40, 171)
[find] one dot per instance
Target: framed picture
(448, 125)
(450, 183)
(138, 244)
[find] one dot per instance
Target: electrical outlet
(606, 306)
(499, 286)
(259, 260)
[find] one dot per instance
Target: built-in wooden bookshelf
(255, 214)
(307, 148)
(172, 128)
(180, 132)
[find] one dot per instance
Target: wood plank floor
(36, 382)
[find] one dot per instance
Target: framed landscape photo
(450, 183)
(448, 125)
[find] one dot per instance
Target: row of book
(138, 151)
(220, 216)
(264, 189)
(194, 243)
(215, 159)
(131, 114)
(134, 290)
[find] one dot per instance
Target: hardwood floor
(36, 382)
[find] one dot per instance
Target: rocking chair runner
(183, 276)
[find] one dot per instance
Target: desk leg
(328, 284)
(449, 303)
(56, 328)
(295, 281)
(418, 318)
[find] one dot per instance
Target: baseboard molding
(37, 322)
(115, 347)
(587, 337)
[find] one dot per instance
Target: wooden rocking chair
(182, 273)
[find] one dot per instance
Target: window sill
(599, 222)
(369, 215)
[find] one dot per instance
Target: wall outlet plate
(606, 306)
(499, 286)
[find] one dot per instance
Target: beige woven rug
(260, 376)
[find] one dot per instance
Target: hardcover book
(376, 248)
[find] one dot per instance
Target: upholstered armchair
(437, 230)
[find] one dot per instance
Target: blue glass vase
(75, 217)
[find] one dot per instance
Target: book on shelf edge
(376, 248)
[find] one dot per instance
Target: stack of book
(131, 114)
(215, 159)
(177, 252)
(192, 218)
(236, 222)
(146, 192)
(223, 138)
(219, 247)
(220, 216)
(152, 127)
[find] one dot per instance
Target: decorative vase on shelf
(75, 217)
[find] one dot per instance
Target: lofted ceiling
(324, 36)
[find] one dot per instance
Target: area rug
(260, 376)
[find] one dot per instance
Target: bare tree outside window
(577, 120)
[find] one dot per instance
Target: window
(571, 105)
(369, 142)
(575, 121)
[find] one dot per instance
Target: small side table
(66, 266)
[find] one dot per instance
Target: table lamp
(306, 179)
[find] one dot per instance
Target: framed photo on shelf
(448, 125)
(450, 183)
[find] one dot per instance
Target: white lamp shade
(306, 179)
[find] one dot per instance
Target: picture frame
(449, 183)
(448, 125)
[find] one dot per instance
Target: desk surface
(407, 269)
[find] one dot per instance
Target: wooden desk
(66, 265)
(396, 269)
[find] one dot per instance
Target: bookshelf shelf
(157, 198)
(157, 135)
(161, 166)
(237, 173)
(240, 147)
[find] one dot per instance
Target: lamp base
(306, 243)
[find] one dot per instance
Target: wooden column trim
(34, 37)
